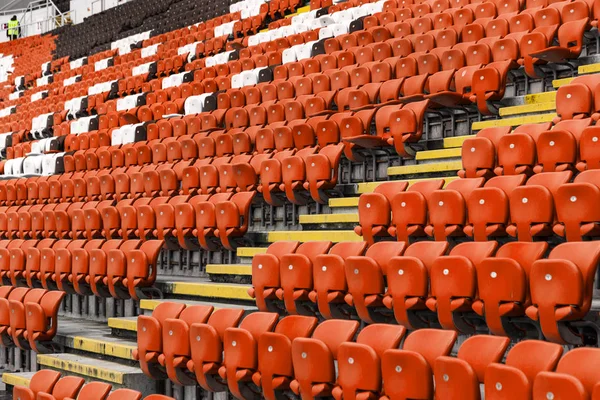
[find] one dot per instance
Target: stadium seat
(572, 266)
(572, 377)
(408, 373)
(359, 365)
(524, 362)
(314, 358)
(41, 382)
(461, 376)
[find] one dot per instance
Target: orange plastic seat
(313, 358)
(576, 218)
(241, 347)
(409, 210)
(572, 379)
(569, 271)
(365, 277)
(265, 274)
(42, 381)
(503, 287)
(124, 394)
(374, 210)
(488, 207)
(531, 219)
(408, 373)
(453, 284)
(206, 345)
(296, 274)
(275, 368)
(479, 153)
(150, 338)
(66, 387)
(362, 360)
(408, 284)
(523, 363)
(447, 208)
(93, 391)
(176, 343)
(462, 375)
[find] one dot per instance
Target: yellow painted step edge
(344, 202)
(556, 83)
(211, 290)
(425, 168)
(527, 109)
(456, 141)
(436, 154)
(306, 236)
(516, 121)
(543, 97)
(328, 218)
(250, 251)
(229, 269)
(123, 323)
(102, 347)
(15, 379)
(92, 371)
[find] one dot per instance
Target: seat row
(260, 356)
(121, 269)
(49, 385)
(213, 219)
(570, 145)
(510, 290)
(29, 318)
(527, 209)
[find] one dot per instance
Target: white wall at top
(85, 8)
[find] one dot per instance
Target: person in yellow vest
(14, 30)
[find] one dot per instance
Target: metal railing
(53, 18)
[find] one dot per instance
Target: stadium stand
(392, 199)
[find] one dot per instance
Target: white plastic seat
(237, 81)
(306, 50)
(195, 104)
(249, 78)
(339, 29)
(32, 165)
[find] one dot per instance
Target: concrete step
(229, 269)
(202, 288)
(515, 121)
(119, 375)
(431, 170)
(94, 338)
(12, 379)
(123, 324)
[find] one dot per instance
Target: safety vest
(13, 28)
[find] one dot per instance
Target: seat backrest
(335, 332)
(125, 394)
(389, 189)
(381, 337)
(94, 391)
(294, 326)
(465, 186)
(591, 176)
(482, 350)
(426, 187)
(506, 183)
(494, 134)
(534, 356)
(475, 251)
(585, 255)
(44, 381)
(196, 313)
(225, 318)
(167, 310)
(348, 249)
(259, 322)
(430, 343)
(552, 180)
(382, 252)
(427, 252)
(313, 249)
(577, 363)
(68, 386)
(525, 253)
